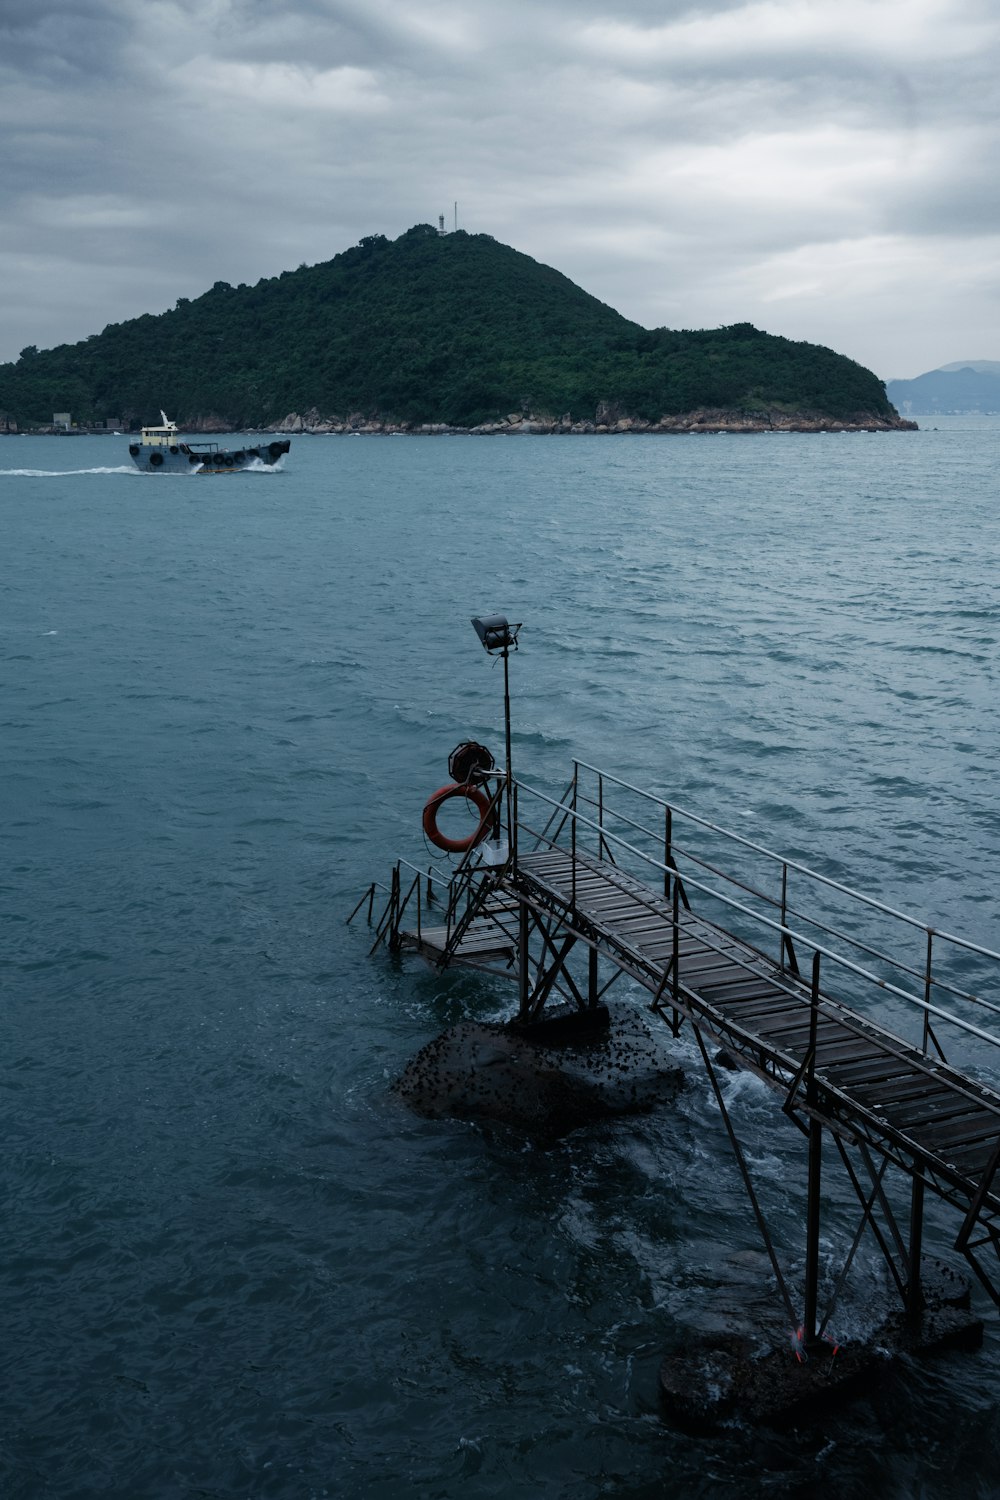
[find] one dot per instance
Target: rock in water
(710, 1380)
(546, 1080)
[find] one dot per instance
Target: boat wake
(61, 473)
(254, 467)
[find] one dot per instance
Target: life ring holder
(444, 794)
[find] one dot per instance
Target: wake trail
(62, 473)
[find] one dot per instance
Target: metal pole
(522, 945)
(812, 1234)
(676, 960)
(676, 935)
(573, 836)
(512, 846)
(914, 1289)
(394, 904)
(784, 912)
(809, 1324)
(927, 988)
(506, 722)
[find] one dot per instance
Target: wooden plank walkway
(489, 940)
(871, 1084)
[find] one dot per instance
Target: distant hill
(428, 328)
(970, 387)
(987, 366)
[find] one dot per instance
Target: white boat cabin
(164, 436)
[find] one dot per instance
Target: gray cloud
(824, 172)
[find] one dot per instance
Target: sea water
(232, 1263)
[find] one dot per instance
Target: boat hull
(198, 458)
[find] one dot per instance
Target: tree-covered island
(433, 330)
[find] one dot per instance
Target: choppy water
(231, 1264)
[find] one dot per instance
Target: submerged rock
(718, 1377)
(546, 1080)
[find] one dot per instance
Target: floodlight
(495, 633)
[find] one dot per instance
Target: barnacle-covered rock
(572, 1069)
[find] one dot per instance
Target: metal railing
(464, 889)
(777, 905)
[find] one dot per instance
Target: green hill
(452, 328)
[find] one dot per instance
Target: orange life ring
(471, 794)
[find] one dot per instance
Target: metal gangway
(785, 968)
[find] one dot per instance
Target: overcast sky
(825, 169)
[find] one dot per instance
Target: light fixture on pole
(499, 638)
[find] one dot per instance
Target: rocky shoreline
(607, 422)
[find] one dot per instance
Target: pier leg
(524, 977)
(914, 1289)
(809, 1324)
(810, 1332)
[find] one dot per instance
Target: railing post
(600, 814)
(667, 843)
(928, 983)
(512, 849)
(576, 778)
(786, 957)
(394, 909)
(813, 1030)
(784, 912)
(676, 962)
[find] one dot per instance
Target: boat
(160, 451)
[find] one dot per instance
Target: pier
(872, 1027)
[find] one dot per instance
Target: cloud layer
(826, 172)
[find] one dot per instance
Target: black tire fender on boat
(193, 458)
(173, 449)
(228, 460)
(276, 449)
(155, 460)
(239, 458)
(133, 448)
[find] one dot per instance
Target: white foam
(62, 473)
